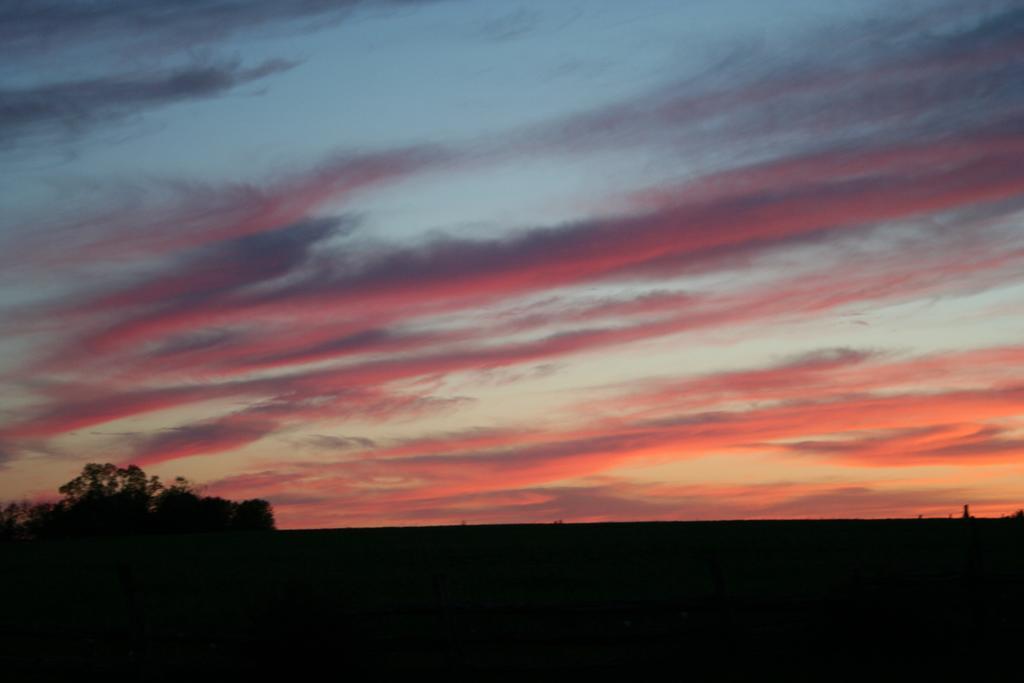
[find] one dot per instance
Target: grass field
(504, 596)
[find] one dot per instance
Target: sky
(418, 262)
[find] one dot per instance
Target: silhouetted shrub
(176, 511)
(216, 514)
(14, 521)
(253, 515)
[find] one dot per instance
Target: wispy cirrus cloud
(156, 220)
(801, 296)
(214, 436)
(449, 487)
(675, 240)
(30, 27)
(911, 76)
(853, 424)
(101, 38)
(976, 42)
(68, 109)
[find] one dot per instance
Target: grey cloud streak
(64, 110)
(31, 26)
(106, 36)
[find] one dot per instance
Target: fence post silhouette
(973, 576)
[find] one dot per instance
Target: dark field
(820, 599)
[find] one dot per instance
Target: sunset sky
(425, 262)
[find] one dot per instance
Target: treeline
(106, 500)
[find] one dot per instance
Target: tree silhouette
(107, 499)
(180, 509)
(14, 521)
(253, 515)
(110, 481)
(176, 508)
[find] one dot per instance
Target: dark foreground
(821, 600)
